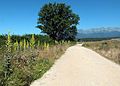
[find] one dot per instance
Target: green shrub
(21, 64)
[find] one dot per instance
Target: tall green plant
(16, 45)
(25, 45)
(32, 42)
(8, 57)
(38, 44)
(21, 45)
(46, 46)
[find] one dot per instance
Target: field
(24, 59)
(109, 49)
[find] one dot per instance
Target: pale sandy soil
(80, 66)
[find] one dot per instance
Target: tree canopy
(58, 21)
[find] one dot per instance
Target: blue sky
(20, 16)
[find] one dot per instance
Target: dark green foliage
(58, 21)
(3, 39)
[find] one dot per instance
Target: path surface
(80, 66)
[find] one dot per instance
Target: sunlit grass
(109, 49)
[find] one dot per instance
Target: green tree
(58, 21)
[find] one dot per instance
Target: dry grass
(30, 65)
(109, 49)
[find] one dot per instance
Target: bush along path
(80, 66)
(24, 61)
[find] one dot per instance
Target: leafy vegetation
(58, 21)
(109, 49)
(24, 59)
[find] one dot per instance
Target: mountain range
(99, 32)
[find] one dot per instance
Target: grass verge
(109, 49)
(29, 65)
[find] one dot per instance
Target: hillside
(99, 32)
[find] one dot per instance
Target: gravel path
(80, 66)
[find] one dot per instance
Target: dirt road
(80, 66)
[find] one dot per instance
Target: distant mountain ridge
(99, 32)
